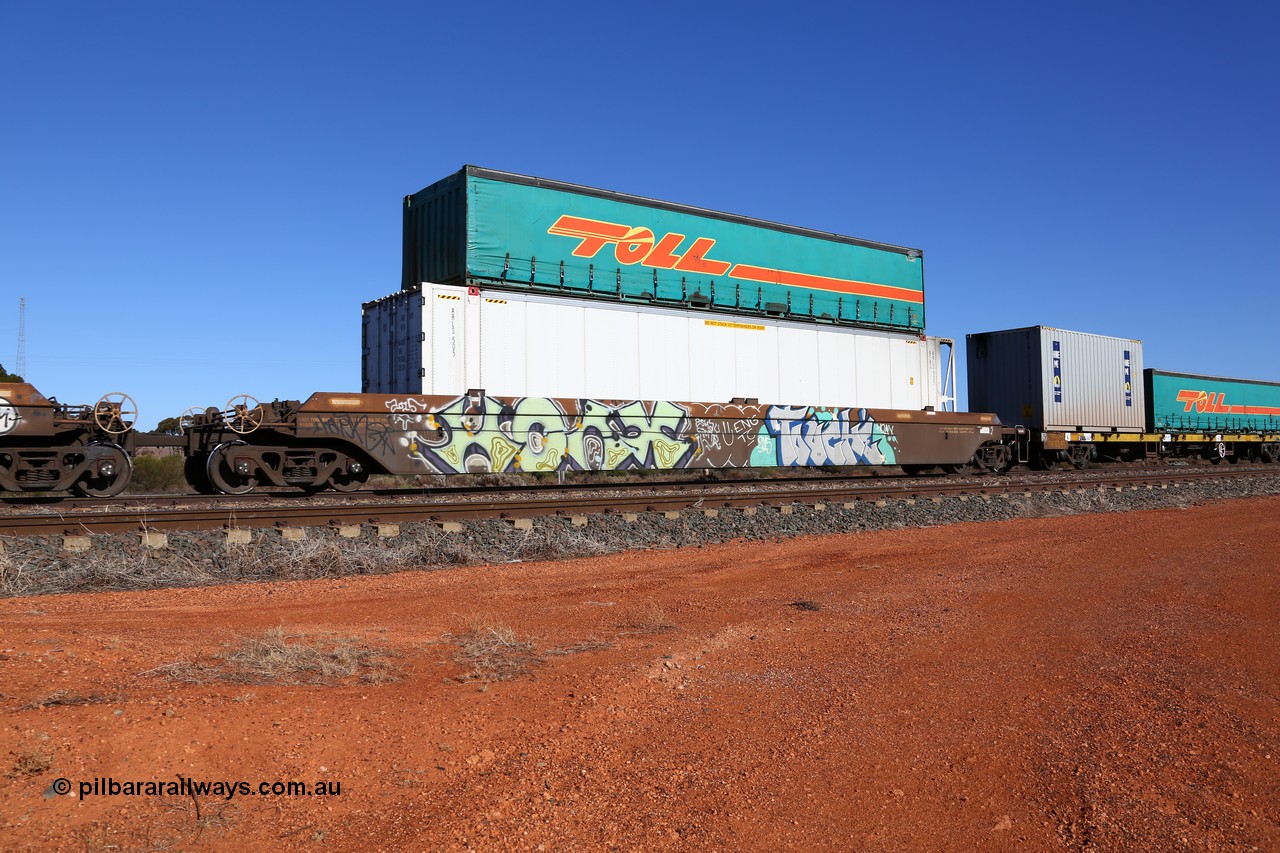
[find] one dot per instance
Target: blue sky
(196, 198)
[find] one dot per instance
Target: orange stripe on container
(822, 282)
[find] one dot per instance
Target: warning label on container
(728, 325)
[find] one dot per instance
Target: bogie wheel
(961, 469)
(1079, 456)
(246, 414)
(111, 411)
(993, 459)
(197, 473)
(1003, 466)
(110, 470)
(222, 474)
(1046, 460)
(350, 477)
(1217, 453)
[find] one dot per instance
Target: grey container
(391, 333)
(1051, 379)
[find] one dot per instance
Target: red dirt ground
(1093, 682)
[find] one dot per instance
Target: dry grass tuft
(29, 761)
(66, 698)
(651, 619)
(275, 657)
(271, 657)
(493, 652)
(16, 576)
(805, 604)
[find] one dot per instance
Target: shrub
(158, 474)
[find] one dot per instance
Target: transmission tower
(21, 369)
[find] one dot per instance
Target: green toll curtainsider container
(1187, 402)
(500, 230)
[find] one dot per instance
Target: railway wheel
(993, 458)
(222, 471)
(109, 472)
(197, 473)
(1079, 455)
(350, 477)
(1217, 453)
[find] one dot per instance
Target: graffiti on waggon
(471, 435)
(480, 433)
(804, 435)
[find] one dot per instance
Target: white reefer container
(446, 339)
(1055, 380)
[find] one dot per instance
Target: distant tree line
(168, 426)
(6, 376)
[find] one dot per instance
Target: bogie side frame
(49, 446)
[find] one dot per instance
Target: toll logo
(8, 416)
(1215, 402)
(640, 245)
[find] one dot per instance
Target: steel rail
(618, 499)
(64, 501)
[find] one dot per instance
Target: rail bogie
(50, 446)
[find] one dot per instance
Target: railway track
(177, 513)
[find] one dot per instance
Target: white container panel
(755, 364)
(556, 349)
(872, 367)
(611, 357)
(900, 396)
(521, 344)
(711, 377)
(797, 360)
(664, 357)
(446, 330)
(831, 368)
(918, 377)
(845, 368)
(502, 332)
(471, 338)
